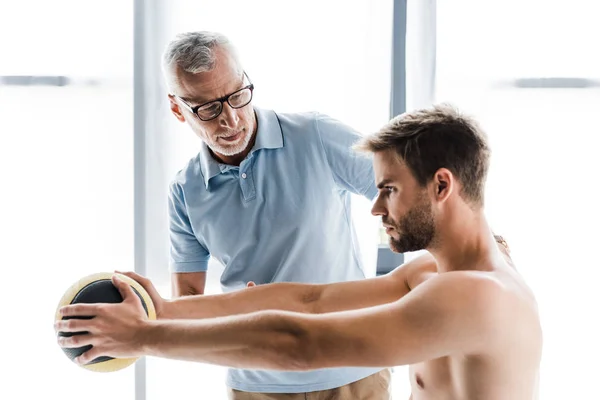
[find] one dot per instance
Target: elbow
(296, 350)
(311, 300)
(296, 355)
(188, 290)
(306, 352)
(188, 284)
(312, 343)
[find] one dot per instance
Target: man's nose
(378, 209)
(229, 117)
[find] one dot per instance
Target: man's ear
(443, 184)
(175, 109)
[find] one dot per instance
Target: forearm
(265, 340)
(296, 297)
(278, 296)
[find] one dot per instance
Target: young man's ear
(443, 183)
(175, 109)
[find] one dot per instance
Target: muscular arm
(305, 298)
(451, 313)
(448, 313)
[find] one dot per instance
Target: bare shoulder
(500, 300)
(424, 267)
(417, 270)
(470, 285)
(491, 298)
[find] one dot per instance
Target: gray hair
(194, 52)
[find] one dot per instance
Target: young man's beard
(416, 229)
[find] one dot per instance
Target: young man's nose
(378, 210)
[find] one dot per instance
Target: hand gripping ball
(98, 288)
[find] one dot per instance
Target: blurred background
(88, 147)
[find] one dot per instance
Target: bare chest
(436, 379)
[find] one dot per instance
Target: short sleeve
(186, 254)
(351, 170)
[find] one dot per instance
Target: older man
(268, 196)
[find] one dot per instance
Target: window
(529, 72)
(66, 143)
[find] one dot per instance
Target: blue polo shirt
(283, 215)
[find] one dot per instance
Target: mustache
(386, 221)
(230, 134)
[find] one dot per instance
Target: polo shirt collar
(268, 136)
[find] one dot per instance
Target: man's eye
(390, 189)
(209, 107)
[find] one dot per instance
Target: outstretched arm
(297, 297)
(453, 312)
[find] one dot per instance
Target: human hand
(502, 244)
(115, 329)
(158, 301)
(504, 249)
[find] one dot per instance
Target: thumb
(251, 284)
(123, 287)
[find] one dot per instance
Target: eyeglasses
(211, 110)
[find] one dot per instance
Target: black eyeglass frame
(194, 110)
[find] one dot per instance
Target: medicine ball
(98, 288)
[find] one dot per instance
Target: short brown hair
(433, 138)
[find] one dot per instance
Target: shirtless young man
(461, 317)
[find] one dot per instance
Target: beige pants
(374, 387)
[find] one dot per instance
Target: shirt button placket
(247, 185)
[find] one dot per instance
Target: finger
(76, 341)
(74, 325)
(132, 275)
(80, 310)
(123, 287)
(89, 356)
(251, 284)
(145, 282)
